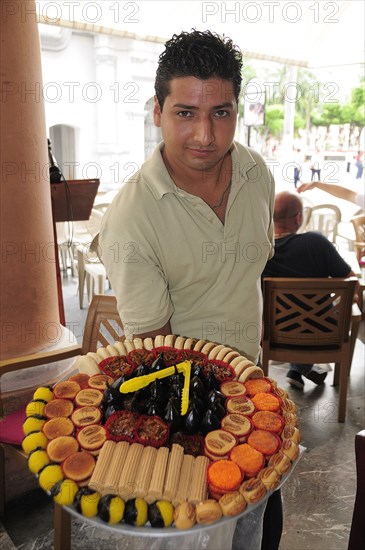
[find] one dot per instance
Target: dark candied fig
(210, 422)
(153, 408)
(211, 381)
(198, 403)
(112, 408)
(218, 410)
(111, 508)
(141, 370)
(197, 386)
(172, 415)
(158, 363)
(116, 395)
(192, 420)
(215, 396)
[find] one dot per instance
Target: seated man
(301, 255)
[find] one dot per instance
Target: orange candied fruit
(249, 460)
(224, 475)
(266, 402)
(257, 385)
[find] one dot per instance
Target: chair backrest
(308, 312)
(358, 223)
(325, 219)
(103, 325)
(307, 211)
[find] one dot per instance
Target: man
(301, 255)
(185, 242)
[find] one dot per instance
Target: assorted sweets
(134, 457)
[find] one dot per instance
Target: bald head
(288, 212)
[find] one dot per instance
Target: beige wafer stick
(198, 485)
(208, 347)
(159, 340)
(222, 353)
(103, 353)
(115, 468)
(87, 364)
(145, 469)
(169, 340)
(112, 350)
(158, 476)
(199, 345)
(138, 343)
(230, 356)
(189, 343)
(102, 466)
(129, 346)
(148, 343)
(120, 347)
(184, 480)
(173, 471)
(214, 351)
(126, 483)
(179, 342)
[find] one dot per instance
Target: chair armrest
(34, 359)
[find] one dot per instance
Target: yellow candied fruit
(44, 393)
(65, 492)
(116, 510)
(142, 512)
(37, 460)
(33, 424)
(35, 407)
(49, 476)
(166, 511)
(34, 440)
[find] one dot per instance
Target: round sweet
(161, 513)
(232, 388)
(79, 466)
(111, 509)
(37, 459)
(268, 420)
(257, 385)
(81, 378)
(86, 416)
(265, 442)
(220, 442)
(237, 424)
(55, 427)
(100, 381)
(66, 390)
(266, 402)
(253, 490)
(91, 438)
(49, 476)
(224, 476)
(248, 459)
(89, 397)
(185, 515)
(86, 502)
(58, 407)
(60, 448)
(33, 423)
(44, 392)
(33, 441)
(35, 407)
(240, 404)
(208, 511)
(136, 512)
(232, 504)
(64, 492)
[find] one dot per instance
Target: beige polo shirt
(169, 257)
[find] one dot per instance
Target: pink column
(29, 314)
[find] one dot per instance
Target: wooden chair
(357, 533)
(311, 321)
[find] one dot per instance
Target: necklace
(215, 206)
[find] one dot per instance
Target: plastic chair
(358, 223)
(325, 219)
(357, 533)
(103, 325)
(311, 321)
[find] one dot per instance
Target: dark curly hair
(200, 54)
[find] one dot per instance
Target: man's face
(198, 122)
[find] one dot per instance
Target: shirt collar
(158, 179)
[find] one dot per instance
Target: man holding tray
(184, 244)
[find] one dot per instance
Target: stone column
(29, 314)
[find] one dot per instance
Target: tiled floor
(318, 498)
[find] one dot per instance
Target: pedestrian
(316, 163)
(359, 165)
